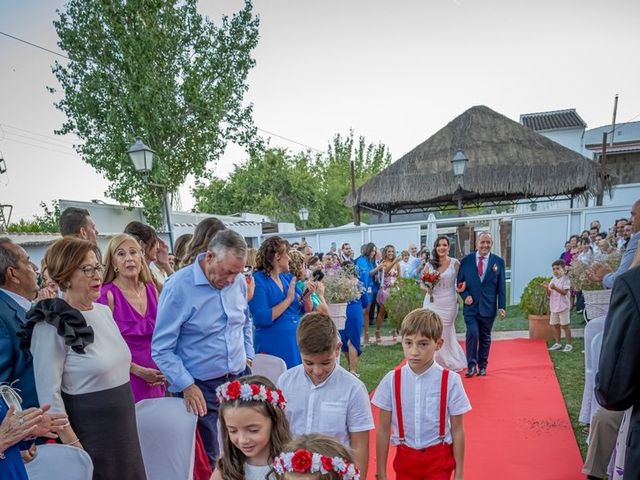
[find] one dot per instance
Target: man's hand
(598, 271)
(194, 400)
(503, 313)
(468, 300)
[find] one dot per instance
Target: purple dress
(136, 330)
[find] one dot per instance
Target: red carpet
(519, 427)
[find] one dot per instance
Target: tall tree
(369, 159)
(158, 70)
(278, 184)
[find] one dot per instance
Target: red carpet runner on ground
(519, 427)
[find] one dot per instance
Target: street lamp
(142, 158)
(303, 213)
(459, 162)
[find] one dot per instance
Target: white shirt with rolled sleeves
(421, 404)
(336, 407)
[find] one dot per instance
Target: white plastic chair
(167, 433)
(268, 366)
(54, 461)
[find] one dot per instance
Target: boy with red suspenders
(425, 404)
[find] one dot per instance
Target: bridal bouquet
(430, 279)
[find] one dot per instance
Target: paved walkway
(509, 335)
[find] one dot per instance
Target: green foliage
(404, 297)
(47, 222)
(158, 70)
(534, 299)
(276, 183)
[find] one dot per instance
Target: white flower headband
(248, 392)
(304, 461)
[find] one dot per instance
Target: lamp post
(303, 213)
(142, 158)
(459, 162)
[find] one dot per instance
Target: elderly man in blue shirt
(203, 334)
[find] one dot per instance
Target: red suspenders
(443, 403)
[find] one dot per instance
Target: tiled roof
(555, 120)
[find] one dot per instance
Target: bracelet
(77, 440)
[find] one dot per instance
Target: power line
(54, 137)
(41, 147)
(64, 56)
(59, 145)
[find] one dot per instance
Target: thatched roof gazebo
(507, 162)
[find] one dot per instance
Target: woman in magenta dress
(131, 295)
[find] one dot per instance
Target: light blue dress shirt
(201, 331)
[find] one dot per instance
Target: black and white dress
(81, 366)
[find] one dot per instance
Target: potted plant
(340, 287)
(404, 297)
(534, 303)
(596, 298)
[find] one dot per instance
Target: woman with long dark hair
(367, 272)
(443, 300)
(277, 303)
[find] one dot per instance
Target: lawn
(377, 360)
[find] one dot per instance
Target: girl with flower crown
(315, 457)
(254, 428)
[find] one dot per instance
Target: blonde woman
(129, 291)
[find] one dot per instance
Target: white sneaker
(555, 346)
(567, 348)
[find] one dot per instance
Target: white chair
(588, 408)
(54, 461)
(268, 366)
(167, 433)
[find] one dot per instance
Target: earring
(115, 269)
(68, 285)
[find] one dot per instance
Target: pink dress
(136, 329)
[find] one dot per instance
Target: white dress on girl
(258, 472)
(445, 304)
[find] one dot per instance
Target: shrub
(404, 297)
(534, 300)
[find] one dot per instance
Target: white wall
(570, 138)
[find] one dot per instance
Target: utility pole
(613, 122)
(603, 161)
(4, 219)
(356, 207)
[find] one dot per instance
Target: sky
(393, 71)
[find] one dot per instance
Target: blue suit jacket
(485, 292)
(15, 363)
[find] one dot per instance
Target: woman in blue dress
(277, 303)
(367, 273)
(350, 336)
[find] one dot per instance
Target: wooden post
(356, 206)
(603, 161)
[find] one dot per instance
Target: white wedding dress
(445, 304)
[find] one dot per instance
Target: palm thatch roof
(507, 161)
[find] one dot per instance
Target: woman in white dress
(445, 304)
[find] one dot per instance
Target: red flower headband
(304, 461)
(250, 392)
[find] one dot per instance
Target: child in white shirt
(559, 291)
(323, 397)
(426, 418)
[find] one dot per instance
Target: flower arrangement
(579, 270)
(430, 279)
(248, 392)
(303, 461)
(341, 287)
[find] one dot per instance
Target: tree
(271, 182)
(278, 184)
(48, 222)
(369, 160)
(161, 71)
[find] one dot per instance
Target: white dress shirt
(420, 396)
(19, 299)
(336, 407)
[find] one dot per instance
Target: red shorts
(431, 463)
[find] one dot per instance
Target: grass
(377, 360)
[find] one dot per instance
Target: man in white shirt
(322, 397)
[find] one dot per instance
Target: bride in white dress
(445, 304)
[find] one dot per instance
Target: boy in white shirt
(559, 291)
(323, 397)
(426, 418)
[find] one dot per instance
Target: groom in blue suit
(483, 274)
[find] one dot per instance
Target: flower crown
(304, 461)
(247, 392)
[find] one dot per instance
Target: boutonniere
(495, 268)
